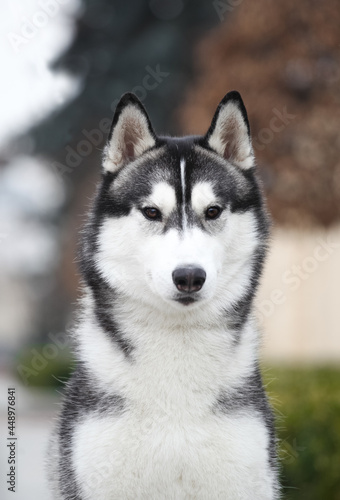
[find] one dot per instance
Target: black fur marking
(250, 198)
(81, 399)
(238, 314)
(178, 148)
(104, 298)
(232, 185)
(251, 397)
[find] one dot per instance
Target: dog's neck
(115, 334)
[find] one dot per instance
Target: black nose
(189, 279)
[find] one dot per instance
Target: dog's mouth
(186, 301)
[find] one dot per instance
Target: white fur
(230, 137)
(137, 258)
(156, 457)
(161, 342)
(162, 197)
(184, 215)
(202, 197)
(169, 443)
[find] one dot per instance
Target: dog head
(179, 222)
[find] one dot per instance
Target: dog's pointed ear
(130, 136)
(229, 132)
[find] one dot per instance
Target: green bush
(307, 407)
(43, 365)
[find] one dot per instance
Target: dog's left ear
(229, 133)
(130, 136)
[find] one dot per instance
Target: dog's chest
(160, 457)
(180, 376)
(170, 442)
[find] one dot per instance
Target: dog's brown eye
(152, 213)
(213, 212)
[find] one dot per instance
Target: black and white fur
(167, 400)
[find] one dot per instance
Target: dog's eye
(213, 213)
(152, 213)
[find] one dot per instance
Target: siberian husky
(167, 399)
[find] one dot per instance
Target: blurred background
(65, 64)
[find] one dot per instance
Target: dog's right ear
(130, 136)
